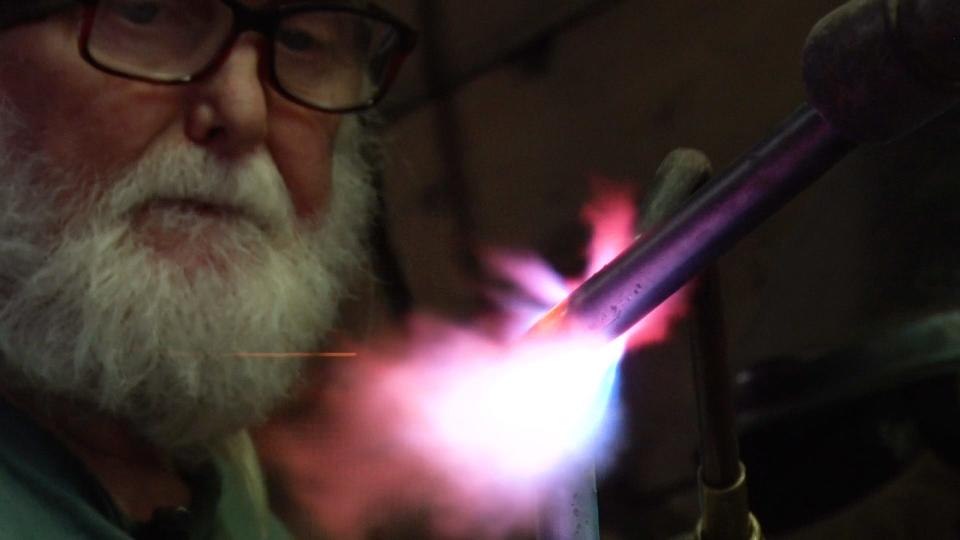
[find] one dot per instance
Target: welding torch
(874, 71)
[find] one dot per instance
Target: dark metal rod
(719, 449)
(799, 152)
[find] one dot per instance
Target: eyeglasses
(329, 57)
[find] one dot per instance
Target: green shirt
(46, 493)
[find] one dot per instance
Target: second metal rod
(719, 449)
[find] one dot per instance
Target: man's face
(87, 120)
(149, 232)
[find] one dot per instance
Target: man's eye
(137, 12)
(296, 40)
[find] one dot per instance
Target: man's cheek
(307, 177)
(301, 143)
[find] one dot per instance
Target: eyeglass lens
(326, 58)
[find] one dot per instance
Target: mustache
(253, 188)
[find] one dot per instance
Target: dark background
(507, 110)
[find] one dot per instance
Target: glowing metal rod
(731, 205)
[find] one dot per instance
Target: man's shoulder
(40, 499)
(27, 513)
(243, 509)
(46, 492)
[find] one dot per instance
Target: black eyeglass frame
(265, 22)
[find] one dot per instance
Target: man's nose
(226, 110)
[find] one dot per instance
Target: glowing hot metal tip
(273, 355)
(269, 355)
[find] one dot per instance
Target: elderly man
(180, 187)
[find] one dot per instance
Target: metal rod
(653, 268)
(725, 508)
(719, 449)
(570, 511)
(799, 152)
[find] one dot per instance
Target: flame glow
(472, 427)
(512, 414)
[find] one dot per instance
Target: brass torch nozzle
(726, 513)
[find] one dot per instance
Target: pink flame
(451, 420)
(613, 219)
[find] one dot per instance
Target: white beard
(90, 313)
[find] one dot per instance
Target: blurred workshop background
(838, 311)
